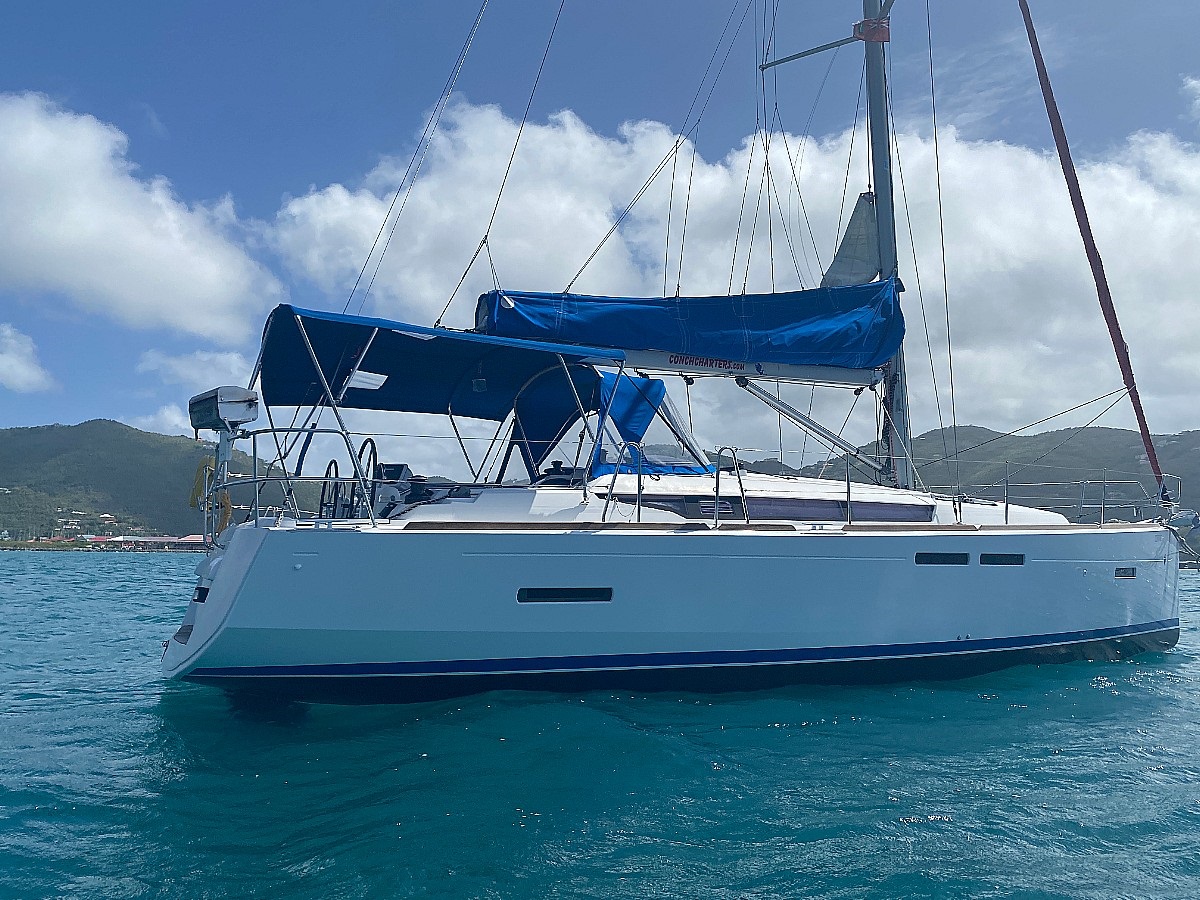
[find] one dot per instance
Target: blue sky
(179, 168)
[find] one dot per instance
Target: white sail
(857, 257)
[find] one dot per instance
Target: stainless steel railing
(1083, 499)
(737, 470)
(623, 448)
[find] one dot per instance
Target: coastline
(175, 546)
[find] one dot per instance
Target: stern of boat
(218, 578)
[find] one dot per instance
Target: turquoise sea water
(1062, 781)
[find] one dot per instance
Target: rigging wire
(798, 163)
(670, 209)
(833, 450)
(683, 237)
(906, 448)
(1095, 263)
(942, 235)
(508, 169)
(768, 39)
(770, 115)
(492, 265)
(779, 420)
(759, 133)
(783, 219)
(850, 158)
(768, 42)
(685, 132)
(764, 130)
(762, 183)
(1042, 421)
(790, 242)
(422, 148)
(878, 427)
(1057, 446)
(812, 396)
(787, 233)
(937, 397)
(741, 213)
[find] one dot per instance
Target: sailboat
(597, 545)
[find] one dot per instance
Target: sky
(170, 172)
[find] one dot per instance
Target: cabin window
(1126, 572)
(564, 595)
(1002, 559)
(943, 559)
(865, 511)
(798, 509)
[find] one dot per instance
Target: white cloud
(77, 219)
(1029, 339)
(197, 371)
(558, 202)
(168, 419)
(193, 372)
(1191, 90)
(19, 367)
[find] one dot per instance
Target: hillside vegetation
(54, 474)
(140, 482)
(1071, 471)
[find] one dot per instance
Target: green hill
(1063, 467)
(1071, 471)
(103, 477)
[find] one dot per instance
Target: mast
(895, 438)
(873, 31)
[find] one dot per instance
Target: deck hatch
(1126, 572)
(943, 559)
(564, 595)
(1002, 559)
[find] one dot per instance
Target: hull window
(1126, 572)
(943, 559)
(564, 595)
(1002, 559)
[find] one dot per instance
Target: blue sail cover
(854, 327)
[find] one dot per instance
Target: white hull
(426, 609)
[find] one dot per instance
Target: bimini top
(852, 327)
(381, 364)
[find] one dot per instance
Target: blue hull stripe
(626, 661)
